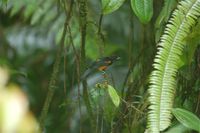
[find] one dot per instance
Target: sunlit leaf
(143, 9)
(187, 118)
(110, 6)
(113, 95)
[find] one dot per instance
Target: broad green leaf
(188, 119)
(110, 6)
(143, 9)
(113, 95)
(179, 128)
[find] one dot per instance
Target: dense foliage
(49, 46)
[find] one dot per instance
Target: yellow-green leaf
(113, 95)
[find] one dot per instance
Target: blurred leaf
(197, 84)
(59, 35)
(193, 37)
(111, 48)
(143, 9)
(192, 40)
(110, 6)
(4, 2)
(92, 49)
(29, 10)
(16, 7)
(158, 33)
(164, 15)
(179, 128)
(37, 16)
(188, 53)
(109, 109)
(28, 124)
(187, 118)
(96, 95)
(12, 99)
(29, 6)
(113, 95)
(3, 77)
(101, 99)
(185, 72)
(13, 71)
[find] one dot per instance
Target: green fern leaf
(166, 64)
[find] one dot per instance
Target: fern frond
(166, 63)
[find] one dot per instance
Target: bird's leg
(105, 76)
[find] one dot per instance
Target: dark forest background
(48, 45)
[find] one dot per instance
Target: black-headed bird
(100, 64)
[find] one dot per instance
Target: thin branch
(83, 28)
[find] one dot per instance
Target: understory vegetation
(91, 66)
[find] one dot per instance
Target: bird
(100, 64)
